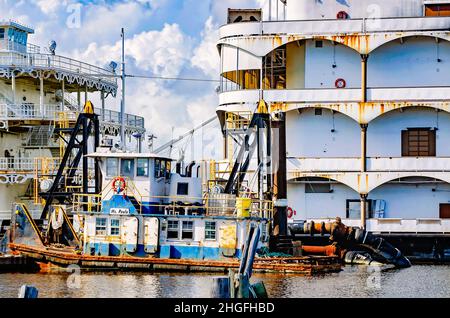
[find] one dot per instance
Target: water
(418, 281)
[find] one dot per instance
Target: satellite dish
(113, 65)
(52, 47)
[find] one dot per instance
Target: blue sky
(164, 38)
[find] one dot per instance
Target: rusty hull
(309, 265)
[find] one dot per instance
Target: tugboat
(144, 216)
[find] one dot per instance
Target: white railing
(407, 164)
(29, 164)
(30, 60)
(33, 111)
(52, 112)
(334, 95)
(324, 27)
(421, 225)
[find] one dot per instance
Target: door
(130, 234)
(151, 237)
(444, 211)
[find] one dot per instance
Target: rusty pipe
(330, 250)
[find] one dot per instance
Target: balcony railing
(52, 112)
(324, 27)
(421, 225)
(407, 164)
(334, 95)
(29, 165)
(33, 112)
(48, 61)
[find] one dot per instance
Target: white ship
(361, 88)
(41, 94)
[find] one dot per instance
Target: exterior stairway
(70, 102)
(39, 136)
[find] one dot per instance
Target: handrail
(27, 59)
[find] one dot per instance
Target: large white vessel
(41, 95)
(364, 90)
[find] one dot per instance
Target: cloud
(206, 56)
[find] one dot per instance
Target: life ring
(119, 185)
(340, 83)
(342, 15)
(291, 213)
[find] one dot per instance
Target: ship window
(2, 33)
(318, 188)
(188, 230)
(210, 231)
(319, 43)
(173, 230)
(112, 166)
(142, 167)
(127, 168)
(100, 226)
(183, 188)
(354, 209)
(157, 168)
(114, 229)
(419, 142)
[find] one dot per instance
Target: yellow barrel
(243, 206)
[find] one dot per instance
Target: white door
(151, 238)
(130, 234)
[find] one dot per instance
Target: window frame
(430, 142)
(111, 227)
(132, 168)
(189, 230)
(147, 167)
(108, 167)
(210, 230)
(104, 228)
(172, 229)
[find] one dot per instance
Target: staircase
(70, 102)
(40, 136)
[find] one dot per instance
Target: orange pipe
(329, 250)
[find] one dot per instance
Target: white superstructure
(365, 86)
(41, 92)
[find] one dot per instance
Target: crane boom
(177, 140)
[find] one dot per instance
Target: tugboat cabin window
(183, 188)
(210, 231)
(114, 229)
(162, 168)
(188, 230)
(112, 166)
(100, 226)
(2, 33)
(173, 230)
(127, 168)
(142, 167)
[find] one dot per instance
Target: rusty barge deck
(309, 265)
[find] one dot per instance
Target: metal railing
(52, 112)
(114, 117)
(19, 165)
(32, 111)
(209, 204)
(40, 60)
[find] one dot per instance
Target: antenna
(122, 106)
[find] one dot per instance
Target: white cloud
(206, 56)
(48, 6)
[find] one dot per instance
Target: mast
(122, 104)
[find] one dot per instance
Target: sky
(170, 38)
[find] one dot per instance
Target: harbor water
(422, 281)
